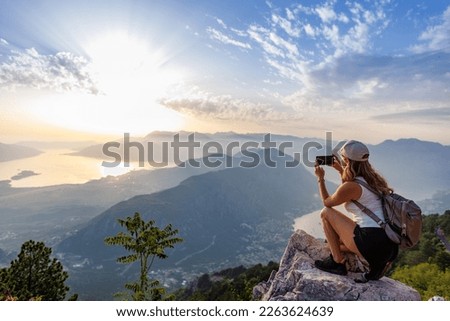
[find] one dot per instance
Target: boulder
(297, 278)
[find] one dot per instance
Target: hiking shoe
(329, 265)
(362, 278)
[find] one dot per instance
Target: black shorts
(376, 248)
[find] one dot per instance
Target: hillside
(226, 218)
(51, 213)
(9, 152)
(237, 283)
(415, 168)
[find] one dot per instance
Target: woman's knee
(326, 212)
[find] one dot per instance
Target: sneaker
(329, 265)
(362, 278)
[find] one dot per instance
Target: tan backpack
(402, 217)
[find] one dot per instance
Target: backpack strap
(370, 188)
(371, 214)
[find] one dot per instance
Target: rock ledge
(297, 279)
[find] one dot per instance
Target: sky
(367, 70)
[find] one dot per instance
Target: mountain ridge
(10, 152)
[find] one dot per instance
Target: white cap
(355, 151)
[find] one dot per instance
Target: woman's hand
(319, 171)
(337, 166)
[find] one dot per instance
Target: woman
(360, 235)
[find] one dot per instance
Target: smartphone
(325, 160)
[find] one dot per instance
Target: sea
(56, 166)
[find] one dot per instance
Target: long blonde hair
(365, 170)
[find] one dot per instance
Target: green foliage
(235, 284)
(430, 249)
(34, 275)
(428, 279)
(426, 267)
(145, 242)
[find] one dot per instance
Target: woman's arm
(347, 191)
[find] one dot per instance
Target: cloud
(424, 115)
(223, 107)
(340, 34)
(286, 25)
(62, 71)
(326, 13)
(261, 36)
(310, 30)
(217, 35)
(323, 52)
(435, 37)
(376, 83)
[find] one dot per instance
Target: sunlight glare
(131, 78)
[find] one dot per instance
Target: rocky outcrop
(297, 278)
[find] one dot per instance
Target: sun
(131, 78)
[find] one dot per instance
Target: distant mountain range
(413, 167)
(9, 152)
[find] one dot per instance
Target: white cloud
(289, 14)
(380, 84)
(326, 13)
(291, 48)
(240, 33)
(217, 35)
(432, 115)
(260, 35)
(331, 66)
(309, 30)
(62, 71)
(436, 37)
(286, 25)
(3, 42)
(343, 18)
(221, 23)
(223, 107)
(340, 34)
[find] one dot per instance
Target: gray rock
(297, 278)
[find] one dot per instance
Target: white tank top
(369, 200)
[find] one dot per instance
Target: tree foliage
(428, 279)
(429, 249)
(426, 267)
(34, 275)
(145, 242)
(234, 284)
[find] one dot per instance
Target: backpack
(403, 217)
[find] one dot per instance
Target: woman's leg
(338, 230)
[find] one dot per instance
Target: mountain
(226, 218)
(46, 145)
(439, 203)
(9, 152)
(153, 145)
(413, 167)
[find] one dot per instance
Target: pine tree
(146, 242)
(34, 275)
